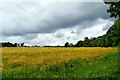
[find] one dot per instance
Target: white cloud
(71, 35)
(52, 23)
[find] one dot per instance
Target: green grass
(100, 67)
(103, 66)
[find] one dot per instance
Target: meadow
(71, 62)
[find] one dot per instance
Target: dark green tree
(114, 9)
(22, 44)
(0, 44)
(71, 45)
(86, 39)
(79, 44)
(15, 44)
(66, 44)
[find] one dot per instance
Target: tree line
(9, 44)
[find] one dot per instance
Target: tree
(15, 44)
(18, 45)
(7, 44)
(71, 45)
(79, 44)
(86, 39)
(86, 42)
(66, 44)
(0, 44)
(114, 8)
(22, 44)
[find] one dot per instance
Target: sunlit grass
(26, 60)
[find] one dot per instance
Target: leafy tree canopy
(114, 9)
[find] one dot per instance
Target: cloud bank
(53, 23)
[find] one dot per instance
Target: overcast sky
(52, 23)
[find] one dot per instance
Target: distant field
(31, 62)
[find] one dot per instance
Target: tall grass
(60, 63)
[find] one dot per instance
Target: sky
(52, 22)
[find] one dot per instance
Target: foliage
(22, 44)
(66, 44)
(114, 9)
(9, 44)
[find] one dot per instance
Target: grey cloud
(54, 23)
(63, 35)
(30, 36)
(59, 35)
(28, 18)
(76, 17)
(107, 25)
(73, 31)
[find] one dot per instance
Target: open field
(31, 62)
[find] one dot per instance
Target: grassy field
(81, 62)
